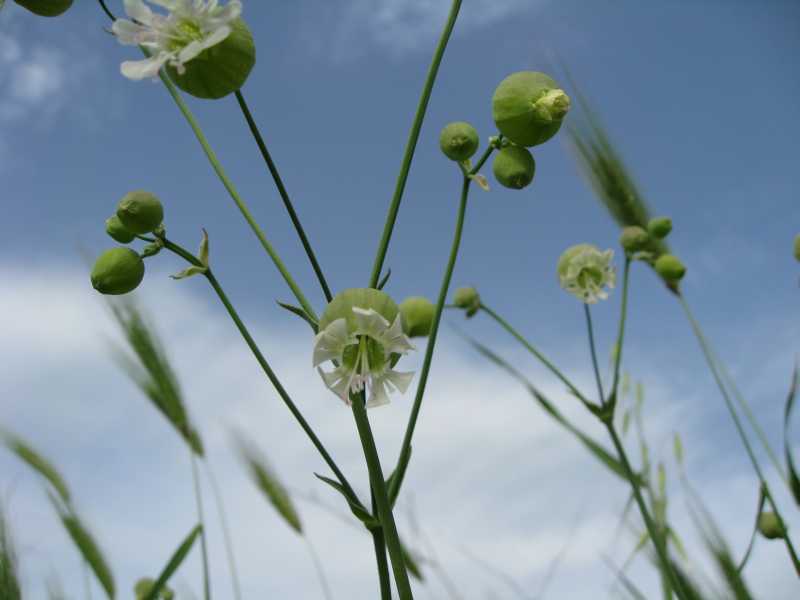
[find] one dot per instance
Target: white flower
(363, 356)
(586, 271)
(175, 38)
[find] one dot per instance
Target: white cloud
(401, 26)
(490, 472)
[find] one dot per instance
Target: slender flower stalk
(740, 429)
(445, 286)
(378, 486)
(621, 332)
(379, 543)
(598, 379)
(262, 361)
(203, 536)
(226, 533)
(234, 194)
(287, 202)
(411, 145)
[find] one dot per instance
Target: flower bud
(117, 231)
(117, 271)
(670, 268)
(528, 107)
(514, 167)
(659, 227)
(45, 8)
(140, 212)
(145, 584)
(417, 314)
(459, 141)
(221, 69)
(468, 299)
(769, 525)
(634, 239)
(797, 246)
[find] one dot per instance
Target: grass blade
(174, 563)
(361, 514)
(150, 370)
(10, 588)
(269, 484)
(86, 545)
(38, 463)
(794, 480)
(396, 478)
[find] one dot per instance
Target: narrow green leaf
(269, 484)
(754, 534)
(596, 449)
(629, 586)
(296, 310)
(677, 446)
(360, 513)
(382, 283)
(676, 541)
(37, 462)
(626, 421)
(794, 479)
(86, 545)
(174, 563)
(395, 481)
(411, 564)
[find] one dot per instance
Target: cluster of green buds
(120, 270)
(642, 244)
(45, 8)
(467, 299)
(528, 108)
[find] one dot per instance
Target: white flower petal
(394, 340)
(378, 395)
(144, 69)
(139, 11)
(329, 344)
(127, 32)
(399, 379)
(369, 322)
(338, 381)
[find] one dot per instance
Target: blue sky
(700, 100)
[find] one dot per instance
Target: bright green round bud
(769, 525)
(140, 212)
(117, 231)
(145, 584)
(514, 167)
(117, 271)
(797, 246)
(670, 268)
(634, 239)
(417, 314)
(221, 69)
(459, 141)
(468, 299)
(659, 227)
(528, 107)
(341, 307)
(45, 8)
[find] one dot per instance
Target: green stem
(323, 581)
(201, 519)
(437, 317)
(593, 351)
(237, 590)
(621, 333)
(273, 169)
(381, 499)
(262, 361)
(237, 199)
(411, 145)
(652, 529)
(379, 542)
(533, 350)
(740, 429)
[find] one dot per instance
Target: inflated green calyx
(417, 314)
(660, 227)
(468, 299)
(459, 141)
(117, 231)
(117, 271)
(140, 212)
(670, 268)
(221, 69)
(46, 8)
(528, 107)
(633, 239)
(514, 167)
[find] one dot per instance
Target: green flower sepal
(202, 257)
